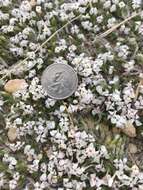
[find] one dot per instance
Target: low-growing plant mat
(92, 139)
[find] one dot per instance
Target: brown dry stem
(104, 34)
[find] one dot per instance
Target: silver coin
(59, 81)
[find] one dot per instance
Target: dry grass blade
(12, 69)
(104, 34)
(69, 115)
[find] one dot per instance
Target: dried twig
(69, 115)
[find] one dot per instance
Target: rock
(116, 130)
(14, 85)
(132, 148)
(12, 134)
(129, 129)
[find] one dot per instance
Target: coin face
(59, 80)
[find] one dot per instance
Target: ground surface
(93, 139)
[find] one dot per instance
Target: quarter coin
(59, 81)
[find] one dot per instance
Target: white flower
(79, 185)
(136, 3)
(12, 184)
(93, 11)
(141, 29)
(25, 6)
(5, 3)
(1, 104)
(128, 93)
(43, 177)
(2, 180)
(97, 64)
(116, 96)
(31, 55)
(111, 22)
(121, 4)
(104, 152)
(115, 80)
(76, 170)
(113, 8)
(50, 124)
(107, 4)
(110, 181)
(90, 150)
(38, 9)
(123, 50)
(87, 25)
(99, 19)
(18, 121)
(50, 102)
(129, 65)
(93, 180)
(13, 161)
(16, 176)
(115, 1)
(120, 121)
(62, 108)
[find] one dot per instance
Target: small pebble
(129, 129)
(133, 148)
(14, 85)
(12, 134)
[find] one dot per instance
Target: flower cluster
(43, 147)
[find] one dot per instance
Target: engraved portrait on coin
(59, 80)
